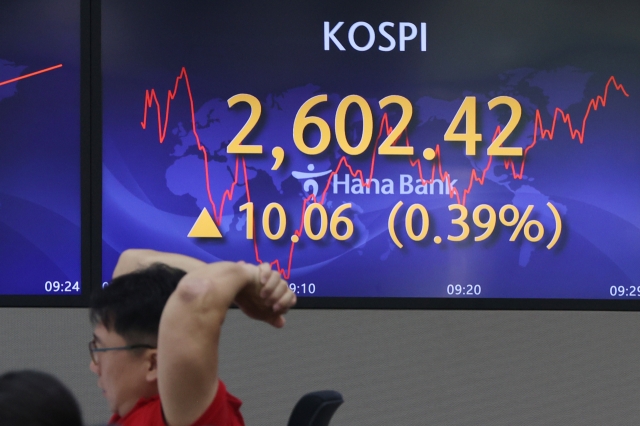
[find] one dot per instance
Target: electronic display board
(381, 154)
(40, 159)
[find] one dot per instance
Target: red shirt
(223, 411)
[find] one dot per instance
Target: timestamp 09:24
(62, 287)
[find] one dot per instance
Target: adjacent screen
(40, 148)
(380, 151)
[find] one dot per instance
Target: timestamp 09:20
(466, 289)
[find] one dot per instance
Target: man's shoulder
(223, 410)
(147, 411)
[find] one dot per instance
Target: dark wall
(393, 367)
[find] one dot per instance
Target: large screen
(407, 153)
(40, 197)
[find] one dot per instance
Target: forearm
(134, 259)
(216, 285)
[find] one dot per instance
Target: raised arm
(190, 329)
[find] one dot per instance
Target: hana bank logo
(310, 185)
(405, 184)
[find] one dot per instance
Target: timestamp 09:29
(623, 291)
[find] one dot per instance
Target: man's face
(123, 375)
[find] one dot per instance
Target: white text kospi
(405, 31)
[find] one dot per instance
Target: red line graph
(22, 77)
(594, 104)
(151, 99)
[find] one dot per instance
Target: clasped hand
(267, 297)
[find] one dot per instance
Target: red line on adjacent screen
(22, 77)
(151, 99)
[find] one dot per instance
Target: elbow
(196, 300)
(212, 286)
(192, 289)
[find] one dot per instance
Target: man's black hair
(131, 305)
(34, 398)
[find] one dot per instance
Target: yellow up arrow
(204, 227)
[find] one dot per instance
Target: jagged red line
(600, 100)
(151, 99)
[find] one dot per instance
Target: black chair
(315, 408)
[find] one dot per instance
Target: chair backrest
(315, 408)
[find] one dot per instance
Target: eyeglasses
(93, 349)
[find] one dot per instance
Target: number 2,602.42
(464, 290)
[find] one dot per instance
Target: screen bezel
(486, 304)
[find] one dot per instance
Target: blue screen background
(39, 147)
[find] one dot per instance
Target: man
(157, 329)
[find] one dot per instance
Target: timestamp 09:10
(304, 288)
